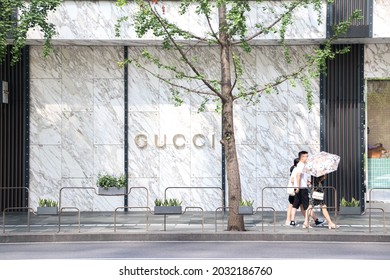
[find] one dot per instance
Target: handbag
(318, 195)
(290, 189)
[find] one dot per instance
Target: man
(301, 182)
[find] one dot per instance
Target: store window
(378, 130)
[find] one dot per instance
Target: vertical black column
(343, 121)
(26, 111)
(14, 132)
(126, 126)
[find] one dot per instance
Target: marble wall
(377, 61)
(77, 128)
(381, 16)
(76, 123)
(77, 113)
(93, 22)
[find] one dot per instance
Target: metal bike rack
(165, 197)
(255, 212)
(59, 216)
(262, 218)
(383, 215)
(223, 215)
(20, 208)
(95, 191)
(325, 187)
(185, 210)
(131, 207)
(71, 207)
(147, 192)
(375, 208)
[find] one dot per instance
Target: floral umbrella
(321, 164)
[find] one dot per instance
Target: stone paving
(100, 225)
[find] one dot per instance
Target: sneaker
(319, 222)
(293, 224)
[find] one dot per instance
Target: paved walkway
(141, 226)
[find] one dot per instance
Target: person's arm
(298, 181)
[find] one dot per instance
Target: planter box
(245, 210)
(47, 210)
(111, 191)
(349, 210)
(167, 210)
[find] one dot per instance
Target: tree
(17, 17)
(230, 33)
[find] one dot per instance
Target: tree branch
(291, 9)
(138, 64)
(183, 55)
(278, 81)
(213, 33)
(235, 74)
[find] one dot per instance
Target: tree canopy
(16, 19)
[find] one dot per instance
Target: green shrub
(43, 202)
(166, 202)
(248, 203)
(110, 181)
(353, 203)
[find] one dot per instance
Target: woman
(318, 183)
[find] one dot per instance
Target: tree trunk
(235, 222)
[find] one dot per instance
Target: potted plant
(246, 207)
(167, 207)
(349, 207)
(111, 185)
(47, 207)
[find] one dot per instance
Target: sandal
(333, 226)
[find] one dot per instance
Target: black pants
(301, 198)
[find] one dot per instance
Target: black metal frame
(126, 129)
(343, 121)
(14, 133)
(359, 28)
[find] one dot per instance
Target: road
(144, 250)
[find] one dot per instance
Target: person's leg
(302, 210)
(305, 204)
(289, 209)
(327, 217)
(289, 214)
(309, 212)
(294, 209)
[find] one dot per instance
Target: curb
(162, 236)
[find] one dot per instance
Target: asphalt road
(145, 250)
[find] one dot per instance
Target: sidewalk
(138, 226)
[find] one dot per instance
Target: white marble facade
(77, 129)
(93, 22)
(77, 111)
(381, 16)
(76, 123)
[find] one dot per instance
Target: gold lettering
(156, 142)
(199, 140)
(175, 138)
(141, 141)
